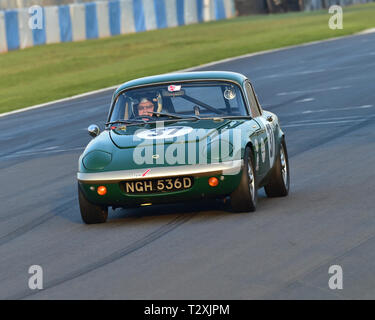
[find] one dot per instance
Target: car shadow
(207, 207)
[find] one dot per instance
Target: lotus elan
(183, 137)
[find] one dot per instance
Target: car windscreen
(199, 99)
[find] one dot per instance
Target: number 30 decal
(270, 140)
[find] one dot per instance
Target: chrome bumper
(224, 168)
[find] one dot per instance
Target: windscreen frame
(240, 87)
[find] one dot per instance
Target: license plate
(158, 185)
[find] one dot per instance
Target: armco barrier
(91, 20)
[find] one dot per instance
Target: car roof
(184, 76)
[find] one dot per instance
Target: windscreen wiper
(126, 122)
(175, 116)
(221, 118)
(235, 117)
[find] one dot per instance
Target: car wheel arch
(250, 145)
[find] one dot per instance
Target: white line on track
(339, 109)
(321, 123)
(329, 119)
(367, 31)
(83, 95)
(305, 100)
(303, 73)
(36, 150)
(290, 74)
(48, 150)
(313, 90)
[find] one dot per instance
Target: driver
(145, 108)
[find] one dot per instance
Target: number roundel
(164, 132)
(270, 141)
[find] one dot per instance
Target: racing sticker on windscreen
(164, 132)
(174, 88)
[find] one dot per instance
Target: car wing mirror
(93, 130)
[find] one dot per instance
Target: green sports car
(182, 137)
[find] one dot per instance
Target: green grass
(46, 73)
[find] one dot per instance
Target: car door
(264, 142)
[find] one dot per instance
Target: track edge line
(247, 55)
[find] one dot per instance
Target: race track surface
(324, 95)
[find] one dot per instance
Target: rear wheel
(278, 185)
(244, 198)
(91, 213)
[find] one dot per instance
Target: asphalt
(324, 95)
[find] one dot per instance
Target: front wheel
(278, 185)
(244, 198)
(91, 213)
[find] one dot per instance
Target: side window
(255, 112)
(257, 100)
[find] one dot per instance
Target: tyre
(244, 198)
(278, 185)
(91, 213)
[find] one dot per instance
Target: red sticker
(173, 88)
(147, 171)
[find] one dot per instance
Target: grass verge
(45, 73)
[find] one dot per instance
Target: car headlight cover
(97, 160)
